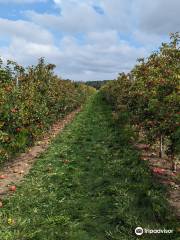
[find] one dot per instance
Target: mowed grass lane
(89, 185)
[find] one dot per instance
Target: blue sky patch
(98, 9)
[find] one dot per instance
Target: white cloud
(93, 60)
(80, 16)
(97, 58)
(70, 21)
(24, 29)
(21, 1)
(102, 53)
(149, 41)
(158, 17)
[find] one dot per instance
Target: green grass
(89, 185)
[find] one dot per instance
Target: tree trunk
(173, 164)
(17, 81)
(161, 152)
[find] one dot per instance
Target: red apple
(2, 176)
(12, 188)
(18, 129)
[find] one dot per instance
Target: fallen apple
(12, 188)
(66, 161)
(2, 176)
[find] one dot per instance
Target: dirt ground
(161, 168)
(14, 170)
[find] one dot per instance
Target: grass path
(89, 185)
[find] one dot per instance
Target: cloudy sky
(86, 39)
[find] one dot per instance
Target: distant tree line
(97, 84)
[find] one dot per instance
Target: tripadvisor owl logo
(139, 231)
